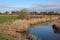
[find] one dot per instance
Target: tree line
(32, 13)
(24, 13)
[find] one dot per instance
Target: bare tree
(24, 14)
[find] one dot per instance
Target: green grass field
(5, 37)
(8, 18)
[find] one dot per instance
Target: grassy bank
(7, 18)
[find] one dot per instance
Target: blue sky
(9, 5)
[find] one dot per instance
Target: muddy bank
(56, 26)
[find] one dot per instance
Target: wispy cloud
(46, 6)
(5, 6)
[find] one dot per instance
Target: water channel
(45, 32)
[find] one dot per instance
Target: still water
(44, 32)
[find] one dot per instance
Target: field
(7, 18)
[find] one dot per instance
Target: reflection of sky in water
(44, 32)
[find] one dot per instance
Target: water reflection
(45, 32)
